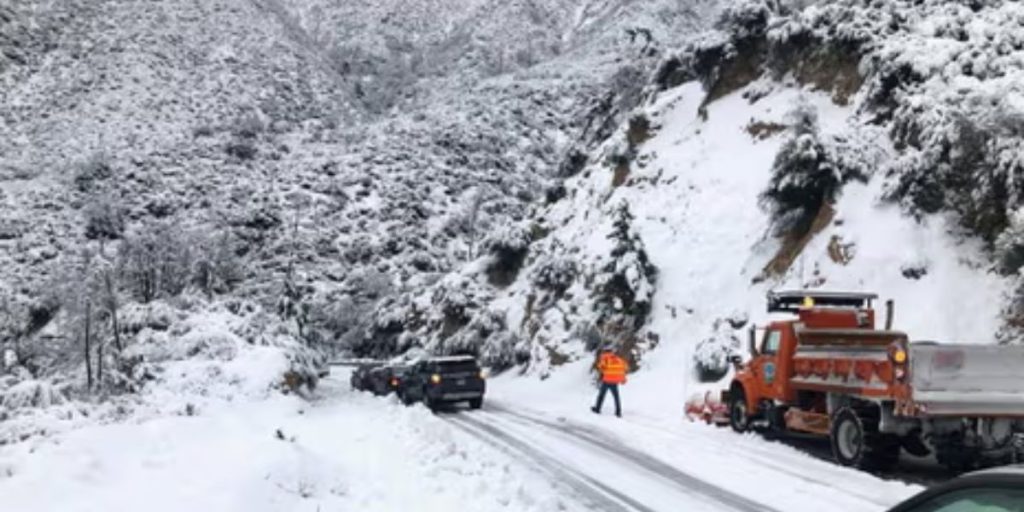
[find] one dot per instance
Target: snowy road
(605, 472)
(636, 481)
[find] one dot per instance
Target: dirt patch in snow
(793, 244)
(761, 130)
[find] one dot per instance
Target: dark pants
(614, 388)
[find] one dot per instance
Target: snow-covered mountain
(286, 171)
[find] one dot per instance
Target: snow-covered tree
(624, 287)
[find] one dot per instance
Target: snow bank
(181, 362)
(350, 451)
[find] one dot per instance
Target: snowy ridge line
(685, 481)
(585, 487)
(754, 452)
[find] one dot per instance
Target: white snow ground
(351, 451)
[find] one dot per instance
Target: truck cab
(765, 379)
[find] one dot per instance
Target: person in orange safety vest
(613, 372)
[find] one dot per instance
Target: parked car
(385, 380)
(441, 381)
(991, 490)
(360, 379)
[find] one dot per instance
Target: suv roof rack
(791, 301)
(445, 359)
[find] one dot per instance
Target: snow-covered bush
(506, 248)
(104, 218)
(711, 355)
(1009, 246)
(554, 273)
(32, 393)
(807, 172)
(93, 173)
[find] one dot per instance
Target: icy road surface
(353, 451)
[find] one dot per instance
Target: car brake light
(435, 378)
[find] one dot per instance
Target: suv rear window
(458, 366)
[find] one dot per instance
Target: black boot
(595, 410)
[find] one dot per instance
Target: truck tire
(856, 441)
(951, 452)
(476, 403)
(914, 445)
(739, 417)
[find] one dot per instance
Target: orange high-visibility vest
(613, 368)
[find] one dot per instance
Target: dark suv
(444, 380)
(386, 379)
(360, 379)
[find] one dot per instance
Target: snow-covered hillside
(768, 154)
(314, 162)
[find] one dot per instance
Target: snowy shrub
(711, 355)
(217, 268)
(248, 126)
(1009, 246)
(503, 349)
(554, 273)
(506, 247)
(806, 173)
(744, 19)
(156, 315)
(454, 300)
(241, 150)
(157, 260)
(32, 393)
(93, 173)
(104, 218)
(471, 338)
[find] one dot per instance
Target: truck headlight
(435, 379)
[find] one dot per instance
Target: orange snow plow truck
(830, 371)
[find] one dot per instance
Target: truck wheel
(739, 419)
(856, 441)
(914, 445)
(476, 403)
(951, 452)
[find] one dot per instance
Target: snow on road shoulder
(350, 451)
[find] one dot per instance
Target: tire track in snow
(760, 455)
(588, 489)
(684, 481)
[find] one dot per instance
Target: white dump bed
(968, 380)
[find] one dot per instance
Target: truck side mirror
(752, 341)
